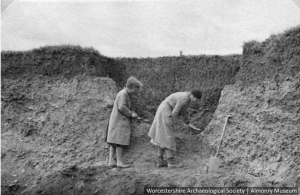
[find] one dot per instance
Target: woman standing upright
(162, 130)
(119, 129)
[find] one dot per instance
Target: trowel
(144, 120)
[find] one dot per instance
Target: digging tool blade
(214, 161)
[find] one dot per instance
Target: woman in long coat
(162, 130)
(119, 129)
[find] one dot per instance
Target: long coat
(162, 129)
(119, 128)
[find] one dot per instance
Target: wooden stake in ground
(214, 161)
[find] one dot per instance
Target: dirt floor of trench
(98, 178)
(95, 177)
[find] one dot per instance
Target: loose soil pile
(53, 125)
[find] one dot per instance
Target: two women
(162, 130)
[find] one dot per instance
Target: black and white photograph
(130, 97)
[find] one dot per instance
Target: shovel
(214, 161)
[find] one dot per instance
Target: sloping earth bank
(48, 123)
(263, 136)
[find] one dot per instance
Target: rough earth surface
(262, 138)
(53, 130)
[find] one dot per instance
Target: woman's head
(196, 94)
(133, 85)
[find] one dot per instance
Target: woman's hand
(134, 115)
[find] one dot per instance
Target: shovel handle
(227, 117)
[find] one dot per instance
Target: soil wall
(165, 75)
(263, 134)
(48, 123)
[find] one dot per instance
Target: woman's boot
(120, 163)
(160, 159)
(161, 162)
(111, 160)
(173, 164)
